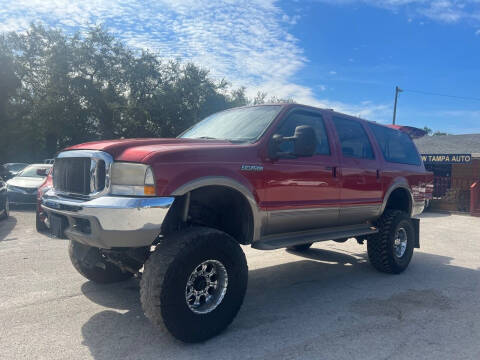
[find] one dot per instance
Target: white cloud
(477, 32)
(246, 42)
(447, 11)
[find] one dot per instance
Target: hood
(138, 150)
(26, 182)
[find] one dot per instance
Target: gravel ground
(327, 303)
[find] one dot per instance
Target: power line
(444, 95)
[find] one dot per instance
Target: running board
(278, 241)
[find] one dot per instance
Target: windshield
(31, 171)
(242, 124)
(15, 167)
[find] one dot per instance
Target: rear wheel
(391, 250)
(194, 283)
(90, 263)
(301, 247)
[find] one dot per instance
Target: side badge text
(251, 168)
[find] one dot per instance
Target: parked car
(42, 224)
(4, 206)
(22, 189)
(4, 173)
(48, 161)
(270, 176)
(14, 168)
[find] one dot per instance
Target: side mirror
(304, 143)
(273, 146)
(42, 172)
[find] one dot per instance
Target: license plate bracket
(58, 224)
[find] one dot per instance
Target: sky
(346, 54)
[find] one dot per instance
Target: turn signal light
(149, 190)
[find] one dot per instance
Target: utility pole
(397, 90)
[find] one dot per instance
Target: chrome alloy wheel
(400, 242)
(206, 286)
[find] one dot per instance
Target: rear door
(303, 192)
(361, 188)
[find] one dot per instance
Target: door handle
(333, 169)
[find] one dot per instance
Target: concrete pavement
(327, 303)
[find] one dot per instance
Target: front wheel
(40, 224)
(391, 250)
(6, 211)
(194, 283)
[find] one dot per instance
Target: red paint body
(47, 184)
(284, 183)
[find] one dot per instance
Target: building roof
(449, 144)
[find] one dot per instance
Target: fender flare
(398, 184)
(229, 183)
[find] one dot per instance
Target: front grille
(23, 189)
(79, 175)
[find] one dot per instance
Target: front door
(302, 193)
(361, 189)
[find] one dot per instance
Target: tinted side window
(353, 139)
(297, 118)
(397, 147)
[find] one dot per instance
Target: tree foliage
(261, 98)
(431, 133)
(58, 89)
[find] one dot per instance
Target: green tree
(427, 130)
(59, 89)
(261, 98)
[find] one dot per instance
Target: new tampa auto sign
(447, 158)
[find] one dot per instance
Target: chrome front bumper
(110, 221)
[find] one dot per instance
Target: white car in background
(22, 189)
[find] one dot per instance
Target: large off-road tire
(391, 250)
(301, 247)
(90, 263)
(194, 283)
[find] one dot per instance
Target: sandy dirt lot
(327, 303)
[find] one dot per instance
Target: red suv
(270, 176)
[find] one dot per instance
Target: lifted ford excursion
(270, 176)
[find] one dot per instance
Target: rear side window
(397, 147)
(298, 118)
(353, 139)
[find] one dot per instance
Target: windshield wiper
(235, 141)
(207, 138)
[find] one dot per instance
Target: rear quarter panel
(414, 178)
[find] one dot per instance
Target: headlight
(12, 188)
(132, 179)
